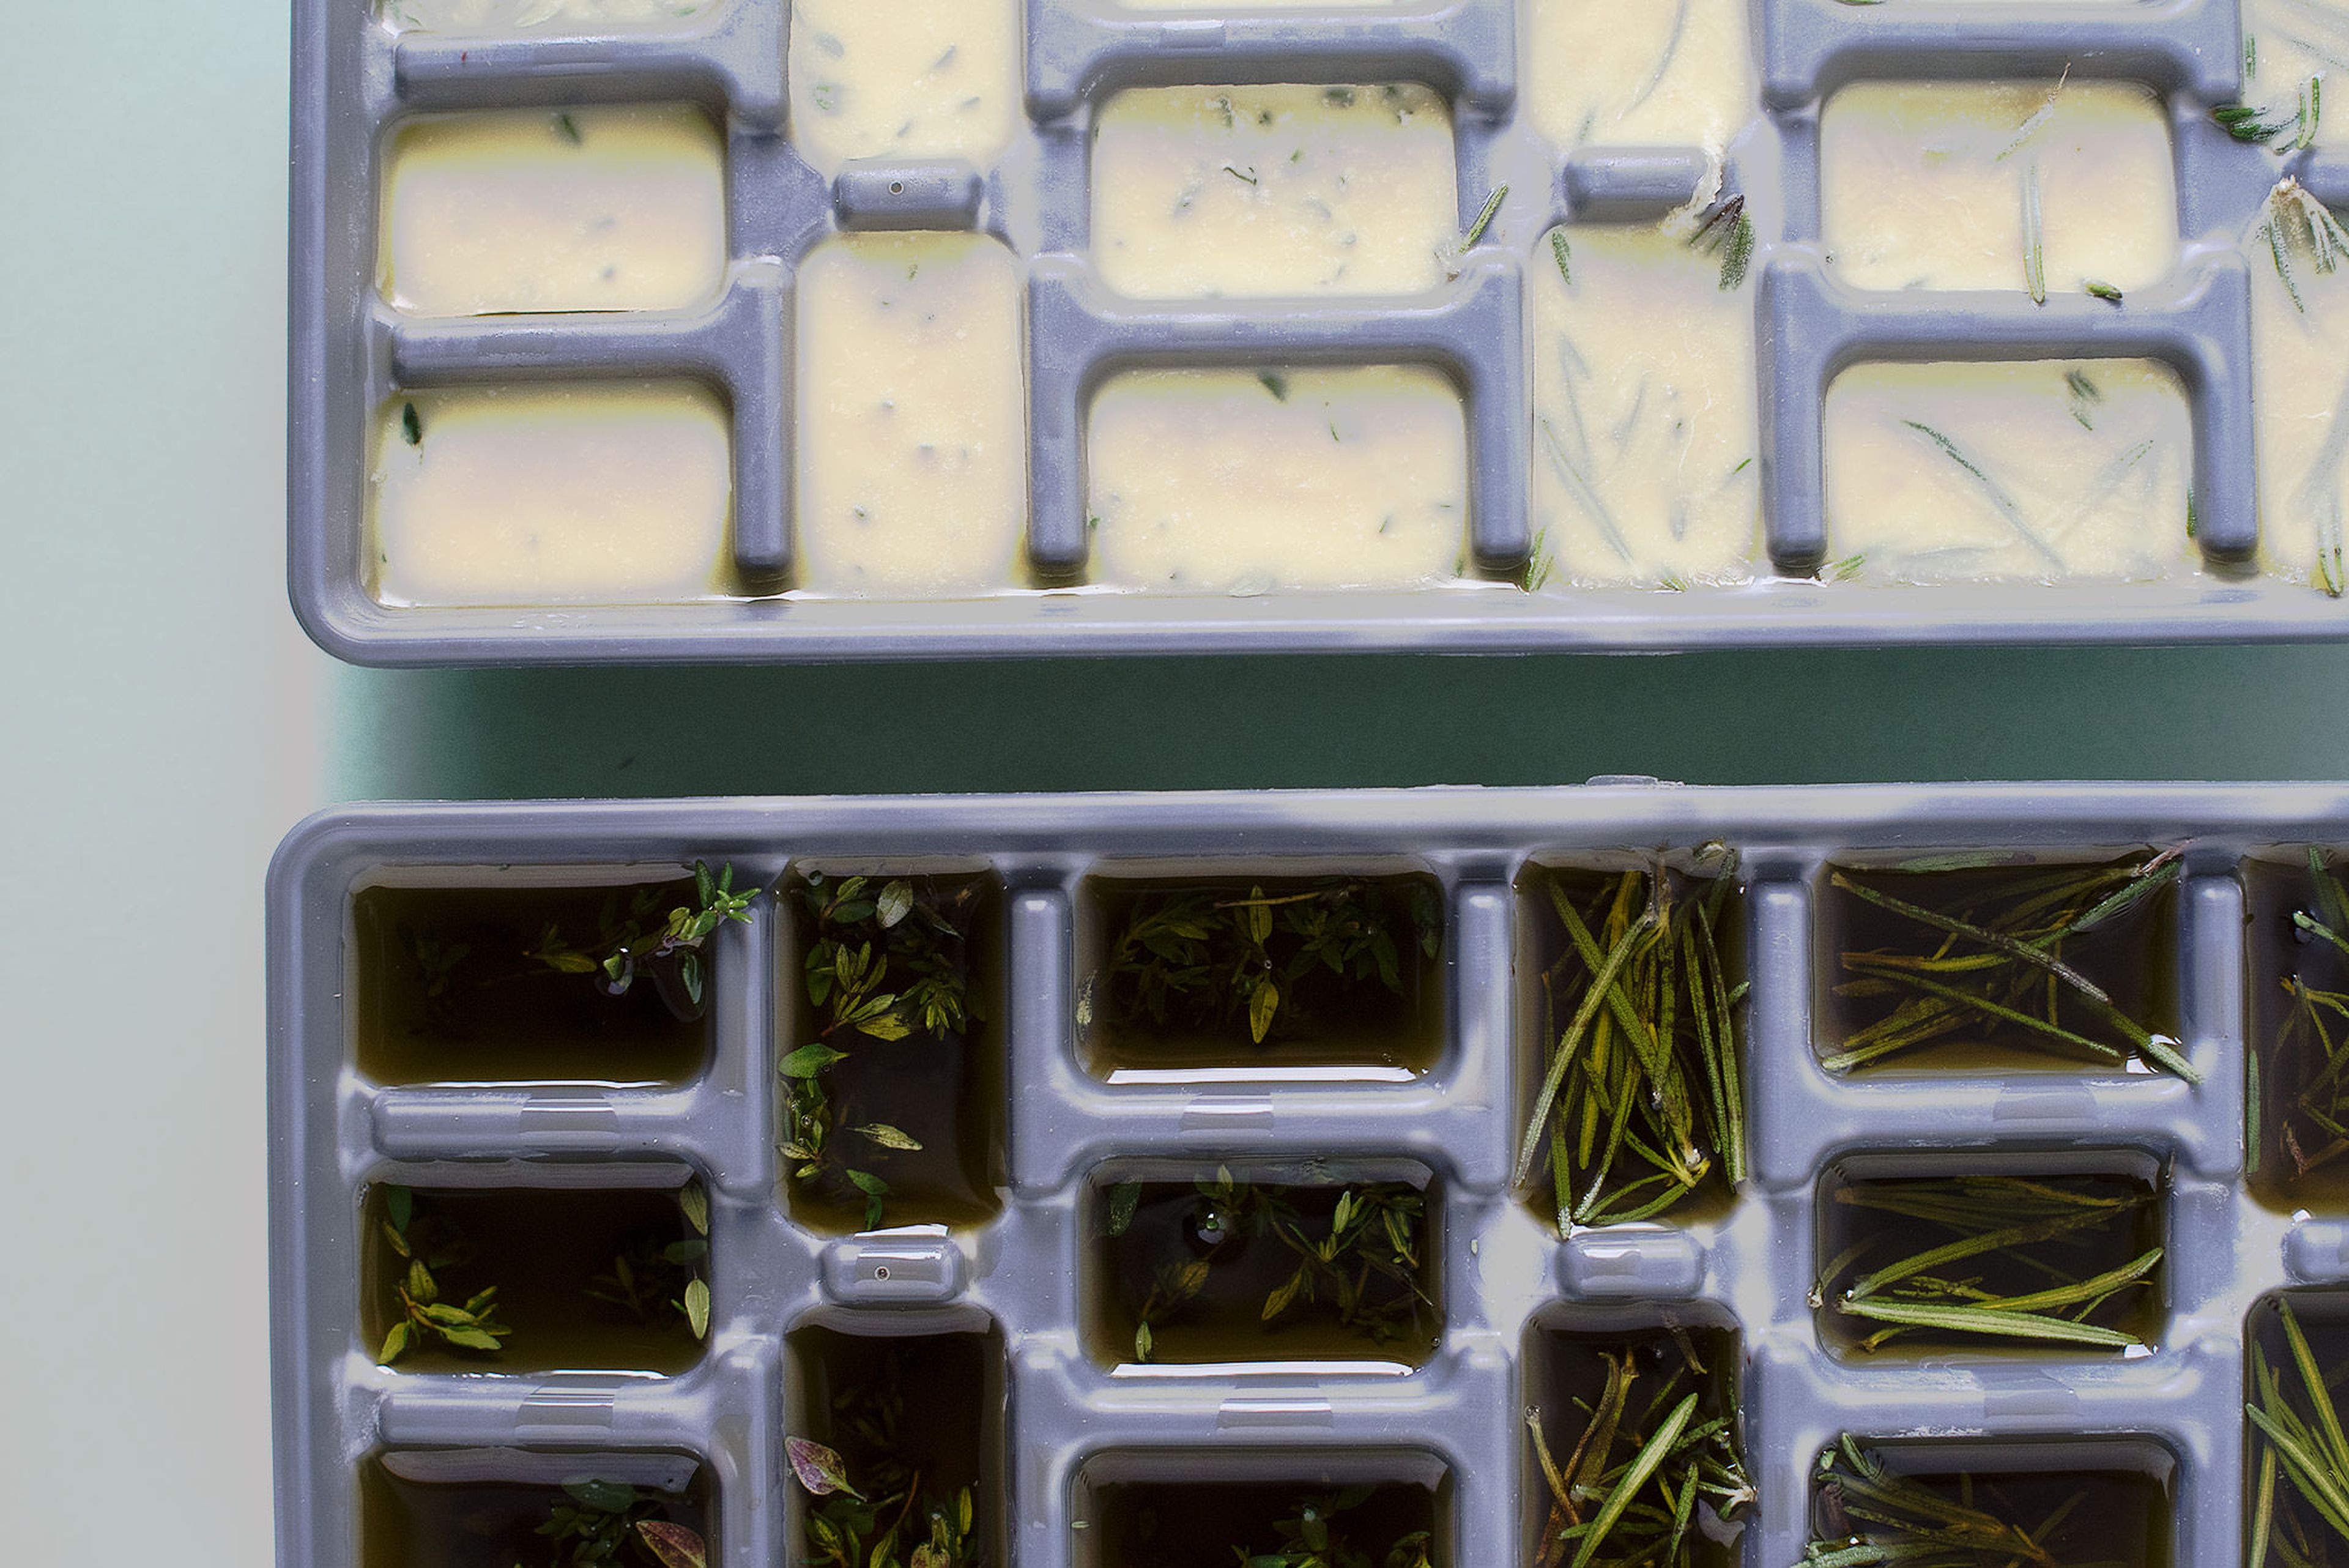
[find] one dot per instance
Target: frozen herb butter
(1240, 482)
(2299, 367)
(2045, 187)
(1644, 433)
(2286, 43)
(907, 79)
(589, 493)
(1203, 192)
(2037, 469)
(1663, 72)
(576, 209)
(548, 16)
(913, 438)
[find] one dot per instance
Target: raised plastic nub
(1650, 1261)
(911, 1264)
(877, 193)
(1621, 183)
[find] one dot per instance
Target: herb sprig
(2296, 1430)
(883, 1517)
(2313, 1043)
(607, 1524)
(1629, 1492)
(1316, 1535)
(633, 938)
(1989, 1227)
(1870, 1514)
(660, 1282)
(1216, 963)
(884, 963)
(1364, 1264)
(1995, 966)
(431, 1244)
(1642, 1099)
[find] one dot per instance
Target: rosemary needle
(2034, 239)
(1484, 217)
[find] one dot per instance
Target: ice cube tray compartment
(359, 74)
(1077, 1419)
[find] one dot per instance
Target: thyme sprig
(1316, 1536)
(2313, 1042)
(1635, 1480)
(1364, 1264)
(1642, 1094)
(431, 1244)
(884, 965)
(2032, 1227)
(633, 938)
(608, 1524)
(884, 1517)
(1209, 961)
(2296, 1430)
(1995, 966)
(660, 1282)
(1870, 1514)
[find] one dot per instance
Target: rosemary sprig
(1995, 1228)
(1642, 1099)
(1363, 1265)
(1992, 491)
(1994, 966)
(431, 1244)
(607, 1524)
(639, 940)
(2310, 1049)
(2265, 126)
(1640, 1472)
(2297, 1432)
(2299, 226)
(1218, 961)
(881, 964)
(1870, 1514)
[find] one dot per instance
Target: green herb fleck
(568, 127)
(1484, 217)
(411, 424)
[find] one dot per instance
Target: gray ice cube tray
(354, 77)
(334, 1132)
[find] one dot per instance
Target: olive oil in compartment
(2060, 1257)
(1625, 1133)
(1227, 1266)
(1336, 1512)
(2296, 1355)
(552, 1255)
(2294, 909)
(2058, 1503)
(912, 1422)
(1234, 977)
(450, 986)
(1600, 1392)
(501, 1507)
(2024, 967)
(892, 1056)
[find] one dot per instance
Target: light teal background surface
(163, 723)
